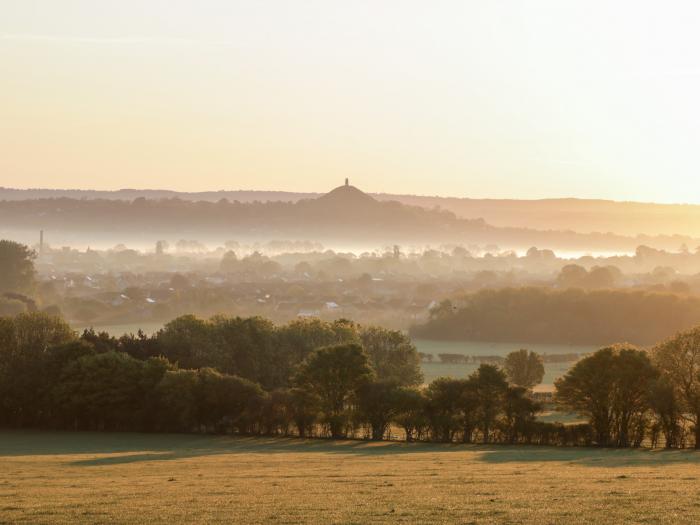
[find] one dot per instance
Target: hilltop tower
(347, 181)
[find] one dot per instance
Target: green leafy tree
(102, 391)
(24, 344)
(678, 359)
(523, 368)
(490, 389)
(187, 341)
(634, 377)
(518, 413)
(443, 407)
(377, 405)
(17, 273)
(305, 409)
(302, 336)
(468, 404)
(335, 374)
(246, 347)
(277, 415)
(611, 387)
(228, 402)
(176, 396)
(392, 355)
(410, 412)
(667, 408)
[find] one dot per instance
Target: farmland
(138, 478)
(437, 369)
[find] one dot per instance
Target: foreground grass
(151, 478)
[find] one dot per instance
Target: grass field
(436, 369)
(138, 478)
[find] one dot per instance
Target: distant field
(149, 328)
(471, 348)
(136, 478)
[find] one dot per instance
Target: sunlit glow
(468, 98)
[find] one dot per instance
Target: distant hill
(346, 216)
(581, 215)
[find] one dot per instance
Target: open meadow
(152, 478)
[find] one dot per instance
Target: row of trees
(258, 350)
(631, 396)
(51, 378)
(336, 380)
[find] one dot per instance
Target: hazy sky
(468, 98)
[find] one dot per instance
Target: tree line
(567, 316)
(339, 380)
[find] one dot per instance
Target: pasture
(437, 369)
(155, 478)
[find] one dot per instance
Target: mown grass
(152, 478)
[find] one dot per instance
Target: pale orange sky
(468, 98)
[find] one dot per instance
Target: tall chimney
(41, 242)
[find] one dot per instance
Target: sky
(501, 99)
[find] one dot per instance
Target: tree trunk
(378, 432)
(336, 430)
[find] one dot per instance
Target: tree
(104, 391)
(523, 368)
(246, 347)
(587, 388)
(304, 407)
(229, 262)
(468, 405)
(24, 343)
(277, 414)
(518, 413)
(392, 355)
(176, 396)
(302, 336)
(490, 388)
(226, 401)
(664, 401)
(410, 412)
(56, 359)
(162, 247)
(611, 387)
(603, 277)
(335, 374)
(443, 404)
(634, 376)
(678, 359)
(187, 341)
(377, 404)
(17, 273)
(571, 275)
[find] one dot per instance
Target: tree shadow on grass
(123, 448)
